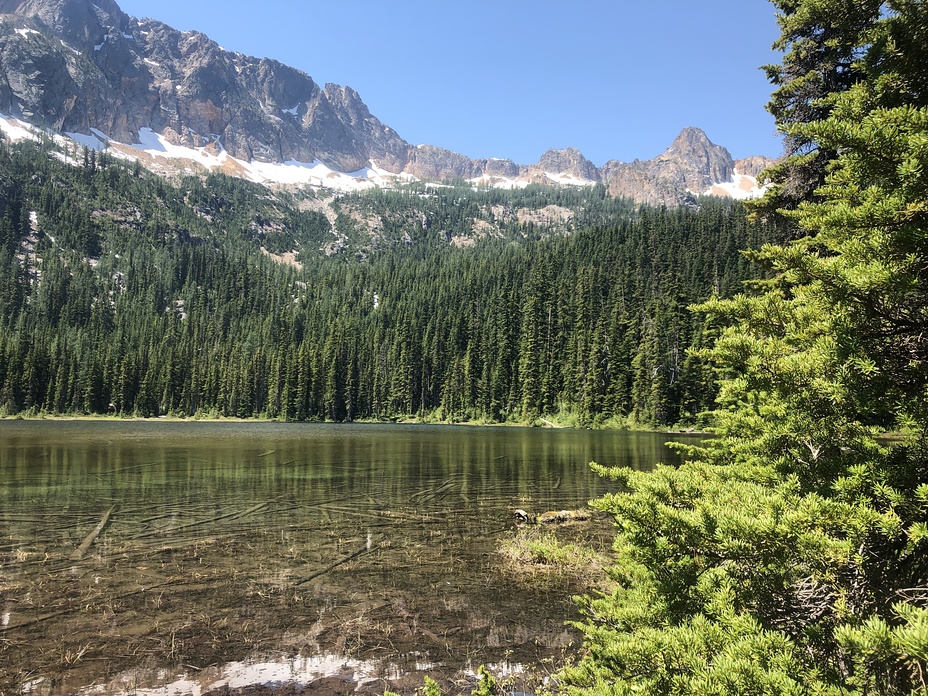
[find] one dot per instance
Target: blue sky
(511, 78)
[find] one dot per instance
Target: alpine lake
(154, 557)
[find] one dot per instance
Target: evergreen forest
(788, 555)
(129, 294)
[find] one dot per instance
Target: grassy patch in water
(535, 555)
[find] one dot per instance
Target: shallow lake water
(195, 558)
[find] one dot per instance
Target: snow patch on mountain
(152, 146)
(15, 130)
(158, 153)
(564, 179)
(500, 182)
(509, 183)
(319, 175)
(305, 173)
(92, 142)
(741, 187)
(214, 157)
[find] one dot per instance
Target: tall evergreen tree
(790, 555)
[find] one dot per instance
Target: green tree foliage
(790, 555)
(128, 294)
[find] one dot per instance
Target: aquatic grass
(533, 555)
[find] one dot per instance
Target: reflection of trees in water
(231, 540)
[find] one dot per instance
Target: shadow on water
(195, 557)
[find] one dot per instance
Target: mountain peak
(697, 160)
(692, 164)
(568, 162)
(693, 142)
(133, 82)
(691, 136)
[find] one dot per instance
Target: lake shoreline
(540, 423)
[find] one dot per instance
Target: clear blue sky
(616, 79)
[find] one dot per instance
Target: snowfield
(153, 148)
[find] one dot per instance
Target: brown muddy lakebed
(262, 557)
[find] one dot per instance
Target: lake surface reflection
(360, 554)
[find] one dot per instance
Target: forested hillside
(126, 293)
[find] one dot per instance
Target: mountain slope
(123, 292)
(90, 70)
(692, 164)
(72, 66)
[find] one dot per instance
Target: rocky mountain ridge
(90, 70)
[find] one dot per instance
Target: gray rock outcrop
(77, 65)
(691, 165)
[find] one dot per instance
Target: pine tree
(790, 554)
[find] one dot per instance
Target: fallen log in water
(553, 517)
(367, 548)
(89, 539)
(198, 523)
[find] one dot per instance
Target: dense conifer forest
(126, 293)
(788, 553)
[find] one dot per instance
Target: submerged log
(78, 553)
(367, 548)
(552, 517)
(199, 523)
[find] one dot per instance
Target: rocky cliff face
(692, 164)
(80, 24)
(76, 66)
(566, 163)
(752, 166)
(72, 66)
